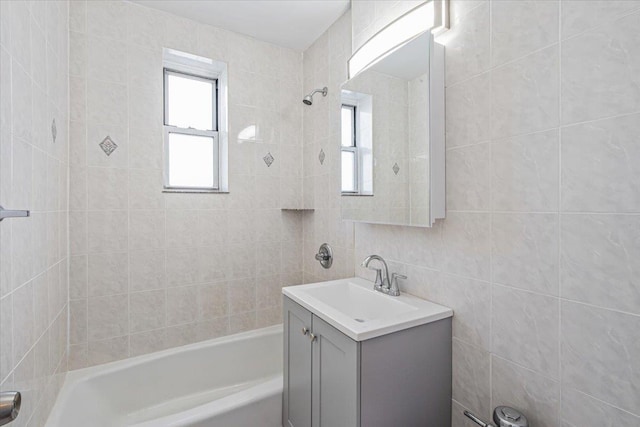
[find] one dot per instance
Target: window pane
(190, 102)
(348, 171)
(190, 161)
(347, 126)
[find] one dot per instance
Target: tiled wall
(33, 175)
(539, 253)
(151, 270)
(325, 64)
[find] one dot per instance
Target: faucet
(382, 283)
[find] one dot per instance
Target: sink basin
(354, 308)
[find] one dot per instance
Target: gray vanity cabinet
(399, 379)
(320, 374)
(296, 401)
(334, 378)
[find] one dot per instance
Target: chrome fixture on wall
(503, 416)
(308, 100)
(6, 213)
(9, 406)
(325, 255)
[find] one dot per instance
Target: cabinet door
(336, 378)
(296, 403)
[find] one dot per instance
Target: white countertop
(353, 307)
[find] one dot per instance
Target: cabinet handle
(313, 337)
(305, 331)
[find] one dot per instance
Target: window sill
(169, 190)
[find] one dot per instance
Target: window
(349, 150)
(356, 144)
(192, 123)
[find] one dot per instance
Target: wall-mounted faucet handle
(325, 255)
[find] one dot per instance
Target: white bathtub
(234, 381)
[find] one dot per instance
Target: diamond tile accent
(396, 169)
(54, 130)
(268, 159)
(108, 146)
(321, 156)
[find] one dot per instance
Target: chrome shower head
(308, 100)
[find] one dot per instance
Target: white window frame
(352, 148)
(362, 105)
(198, 68)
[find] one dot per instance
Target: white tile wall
(151, 270)
(538, 255)
(325, 64)
(33, 175)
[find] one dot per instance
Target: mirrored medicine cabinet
(392, 134)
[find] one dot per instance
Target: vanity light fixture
(432, 15)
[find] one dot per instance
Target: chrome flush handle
(9, 406)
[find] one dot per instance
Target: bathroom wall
(538, 255)
(33, 175)
(151, 270)
(325, 64)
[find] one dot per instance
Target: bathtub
(233, 381)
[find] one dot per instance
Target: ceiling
(294, 24)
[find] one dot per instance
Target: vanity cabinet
(330, 380)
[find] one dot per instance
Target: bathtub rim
(79, 376)
(110, 367)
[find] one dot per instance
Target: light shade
(432, 15)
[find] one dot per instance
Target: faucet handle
(378, 282)
(394, 290)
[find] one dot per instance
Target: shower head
(308, 100)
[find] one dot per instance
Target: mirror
(392, 140)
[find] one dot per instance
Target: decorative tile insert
(321, 156)
(54, 130)
(108, 146)
(396, 169)
(268, 159)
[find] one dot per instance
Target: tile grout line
(559, 227)
(491, 213)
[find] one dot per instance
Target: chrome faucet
(382, 283)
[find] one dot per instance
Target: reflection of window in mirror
(349, 150)
(356, 144)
